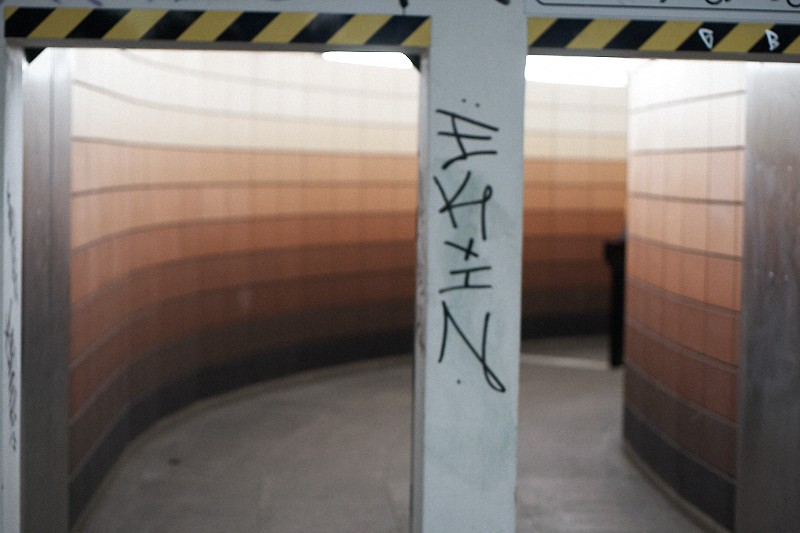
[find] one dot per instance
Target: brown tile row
(194, 313)
(100, 311)
(572, 223)
(705, 329)
(565, 275)
(706, 278)
(109, 260)
(561, 302)
(704, 382)
(552, 248)
(104, 262)
(709, 438)
(587, 196)
(189, 355)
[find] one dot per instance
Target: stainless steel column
(45, 293)
(768, 482)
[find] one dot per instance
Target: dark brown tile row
(709, 438)
(188, 355)
(704, 487)
(566, 274)
(698, 379)
(138, 415)
(559, 301)
(101, 311)
(552, 248)
(705, 329)
(199, 311)
(106, 261)
(712, 279)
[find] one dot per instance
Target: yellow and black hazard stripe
(663, 38)
(126, 25)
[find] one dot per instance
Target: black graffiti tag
(477, 133)
(10, 345)
(488, 374)
(451, 204)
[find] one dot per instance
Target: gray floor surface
(329, 451)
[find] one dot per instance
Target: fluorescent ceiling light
(370, 59)
(569, 70)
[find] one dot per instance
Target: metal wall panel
(769, 398)
(45, 290)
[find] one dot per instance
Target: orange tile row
(698, 226)
(566, 171)
(699, 175)
(99, 165)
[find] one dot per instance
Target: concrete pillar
(469, 260)
(11, 62)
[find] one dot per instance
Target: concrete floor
(328, 451)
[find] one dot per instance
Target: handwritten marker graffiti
(466, 198)
(10, 348)
(10, 337)
(450, 202)
(491, 378)
(459, 136)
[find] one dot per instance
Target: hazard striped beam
(142, 25)
(663, 38)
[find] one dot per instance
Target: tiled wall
(235, 216)
(238, 216)
(575, 149)
(685, 203)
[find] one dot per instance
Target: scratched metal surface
(769, 412)
(45, 293)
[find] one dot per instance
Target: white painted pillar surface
(11, 61)
(469, 269)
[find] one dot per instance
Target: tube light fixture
(394, 60)
(573, 70)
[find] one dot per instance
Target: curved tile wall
(239, 216)
(575, 151)
(685, 209)
(235, 217)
